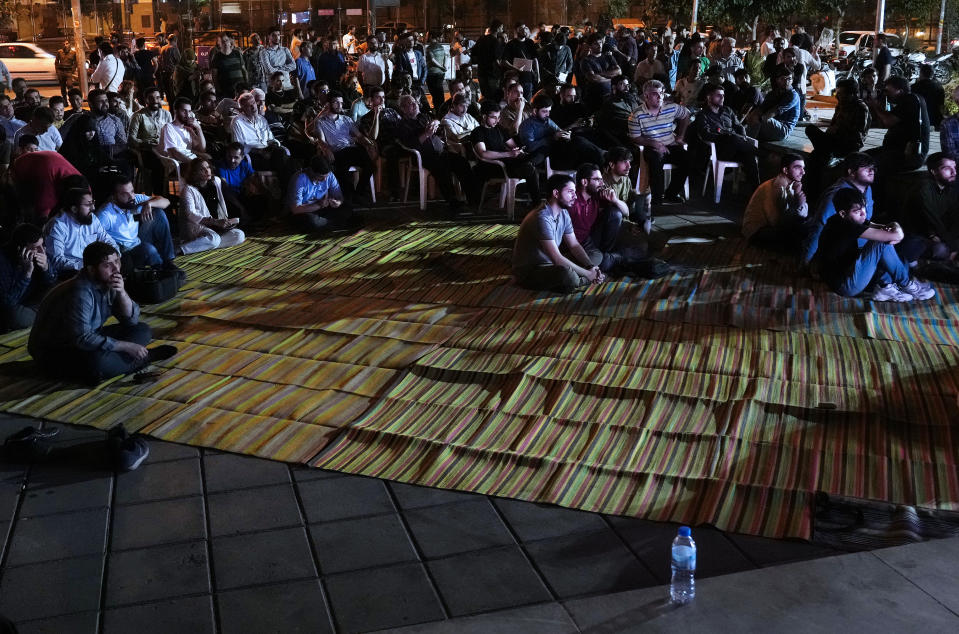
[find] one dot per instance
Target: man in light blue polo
(137, 224)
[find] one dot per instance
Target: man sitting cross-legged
(139, 226)
(849, 269)
(69, 339)
(776, 213)
(315, 199)
(932, 221)
(537, 261)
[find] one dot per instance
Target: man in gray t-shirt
(537, 261)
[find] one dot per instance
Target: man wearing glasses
(67, 234)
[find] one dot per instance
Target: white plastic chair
(507, 191)
(717, 169)
(642, 179)
(406, 174)
(550, 171)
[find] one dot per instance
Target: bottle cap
(684, 531)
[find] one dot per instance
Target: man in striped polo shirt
(660, 130)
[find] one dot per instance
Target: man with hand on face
(538, 263)
(138, 225)
(25, 275)
(182, 139)
(69, 339)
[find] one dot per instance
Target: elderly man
(69, 339)
(251, 129)
(660, 129)
(727, 60)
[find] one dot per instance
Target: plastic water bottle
(682, 585)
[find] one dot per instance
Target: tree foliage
(617, 8)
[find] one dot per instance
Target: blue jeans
(876, 258)
(156, 243)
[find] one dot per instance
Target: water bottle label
(684, 558)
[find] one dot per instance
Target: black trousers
(515, 168)
(344, 159)
(94, 366)
(678, 157)
(443, 166)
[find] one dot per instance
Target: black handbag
(150, 285)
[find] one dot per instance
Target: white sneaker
(919, 290)
(891, 293)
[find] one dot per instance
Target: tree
(905, 10)
(617, 8)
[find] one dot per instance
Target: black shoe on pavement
(161, 353)
(673, 199)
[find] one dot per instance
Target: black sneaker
(673, 199)
(127, 452)
(161, 353)
(27, 444)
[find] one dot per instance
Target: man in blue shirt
(860, 174)
(778, 114)
(246, 196)
(137, 223)
(69, 339)
(315, 200)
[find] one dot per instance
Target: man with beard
(144, 135)
(718, 124)
(490, 143)
(346, 142)
(69, 339)
(68, 233)
(538, 263)
(138, 225)
(182, 139)
(372, 65)
(541, 137)
(932, 226)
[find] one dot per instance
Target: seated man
(847, 130)
(777, 210)
(111, 131)
(246, 195)
(144, 136)
(25, 276)
(612, 118)
(906, 142)
(538, 263)
(458, 123)
(26, 144)
(348, 144)
(315, 200)
(250, 129)
(182, 139)
(31, 101)
(616, 177)
(419, 132)
(69, 339)
(717, 123)
(490, 143)
(280, 102)
(860, 171)
(597, 216)
(41, 126)
(660, 129)
(514, 111)
(932, 230)
(778, 114)
(746, 96)
(68, 233)
(541, 137)
(138, 225)
(568, 112)
(849, 267)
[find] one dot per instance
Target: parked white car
(851, 42)
(27, 60)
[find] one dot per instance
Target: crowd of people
(296, 131)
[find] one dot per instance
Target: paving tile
(9, 494)
(546, 618)
(588, 563)
(652, 543)
(160, 572)
(856, 593)
(342, 498)
(161, 451)
(251, 510)
(154, 523)
(227, 471)
(378, 598)
(57, 536)
(51, 588)
(190, 614)
(284, 608)
(180, 478)
(411, 496)
(486, 580)
(58, 489)
(361, 543)
(764, 551)
(258, 558)
(303, 473)
(457, 528)
(930, 565)
(80, 623)
(539, 521)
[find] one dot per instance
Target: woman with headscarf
(201, 230)
(80, 147)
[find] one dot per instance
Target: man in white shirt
(372, 64)
(182, 139)
(109, 72)
(251, 130)
(349, 41)
(41, 126)
(458, 123)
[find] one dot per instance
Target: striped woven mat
(728, 393)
